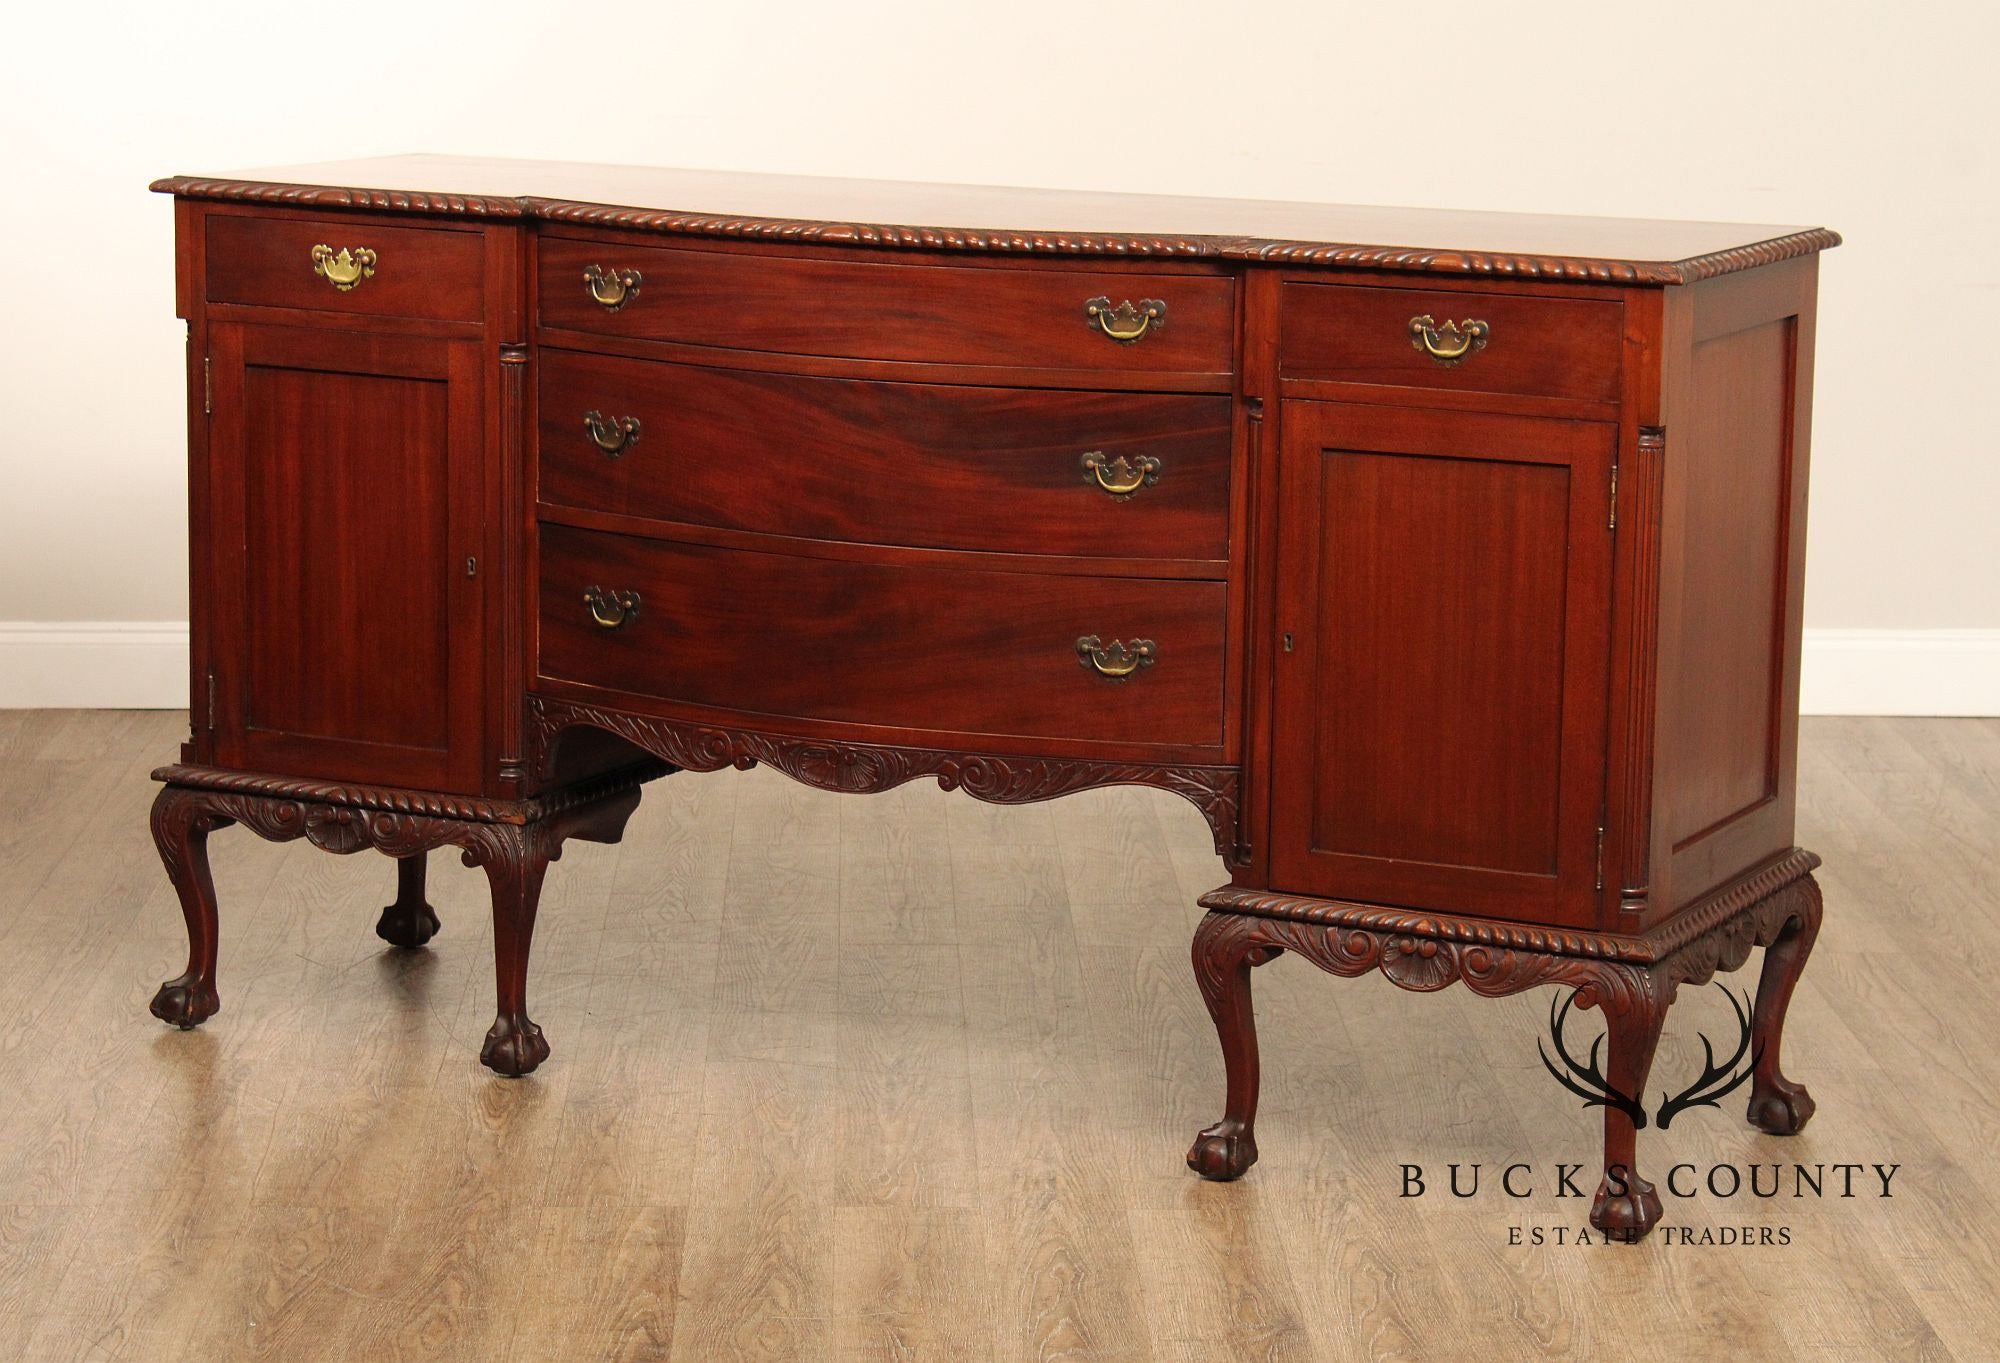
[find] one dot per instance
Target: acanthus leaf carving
(1427, 952)
(368, 820)
(839, 765)
(1696, 922)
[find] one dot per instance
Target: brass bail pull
(1120, 477)
(611, 289)
(345, 268)
(613, 435)
(1127, 322)
(1116, 660)
(1450, 343)
(611, 610)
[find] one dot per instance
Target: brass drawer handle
(613, 435)
(1116, 660)
(611, 289)
(1126, 323)
(1450, 343)
(1120, 477)
(611, 610)
(344, 268)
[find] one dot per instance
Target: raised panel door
(1441, 668)
(347, 493)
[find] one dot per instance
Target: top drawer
(1475, 342)
(862, 309)
(344, 264)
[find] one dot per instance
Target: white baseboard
(143, 665)
(95, 665)
(1900, 672)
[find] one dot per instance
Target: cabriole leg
(516, 858)
(1226, 949)
(1635, 1002)
(1778, 1105)
(410, 921)
(181, 826)
(516, 861)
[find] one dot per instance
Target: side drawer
(1477, 342)
(1107, 474)
(871, 310)
(943, 649)
(433, 274)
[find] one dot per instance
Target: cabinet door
(1443, 608)
(345, 470)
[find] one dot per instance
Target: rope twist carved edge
(1004, 242)
(1425, 964)
(342, 829)
(1662, 941)
(417, 803)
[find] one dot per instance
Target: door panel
(1444, 589)
(349, 466)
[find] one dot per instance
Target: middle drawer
(1008, 470)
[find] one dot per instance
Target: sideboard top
(980, 218)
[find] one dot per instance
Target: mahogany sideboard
(1449, 563)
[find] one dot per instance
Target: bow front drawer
(1476, 342)
(945, 649)
(1110, 320)
(346, 264)
(1009, 470)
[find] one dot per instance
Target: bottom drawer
(945, 649)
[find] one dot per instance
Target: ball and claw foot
(1626, 1215)
(402, 925)
(514, 1046)
(1223, 1152)
(1783, 1109)
(186, 1001)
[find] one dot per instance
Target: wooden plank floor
(910, 1077)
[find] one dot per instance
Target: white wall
(1873, 119)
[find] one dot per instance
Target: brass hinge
(211, 702)
(207, 389)
(1613, 525)
(1600, 856)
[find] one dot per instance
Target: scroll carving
(866, 767)
(1661, 941)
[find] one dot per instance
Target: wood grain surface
(1439, 701)
(1544, 347)
(727, 204)
(937, 1112)
(348, 637)
(940, 648)
(940, 466)
(926, 313)
(417, 272)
